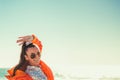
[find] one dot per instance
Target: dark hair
(23, 63)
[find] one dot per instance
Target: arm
(37, 42)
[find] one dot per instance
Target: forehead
(32, 50)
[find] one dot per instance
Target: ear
(26, 57)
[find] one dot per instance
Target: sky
(73, 32)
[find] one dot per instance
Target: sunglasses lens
(38, 54)
(32, 55)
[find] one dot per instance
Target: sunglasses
(33, 55)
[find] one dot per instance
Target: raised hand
(23, 39)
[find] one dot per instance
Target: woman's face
(33, 56)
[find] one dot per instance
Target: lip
(36, 60)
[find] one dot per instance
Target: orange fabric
(20, 75)
(37, 42)
(47, 71)
(44, 67)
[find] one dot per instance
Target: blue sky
(73, 32)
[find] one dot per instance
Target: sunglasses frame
(33, 55)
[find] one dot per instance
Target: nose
(37, 57)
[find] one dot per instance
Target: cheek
(33, 63)
(30, 61)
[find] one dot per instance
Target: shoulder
(19, 75)
(47, 70)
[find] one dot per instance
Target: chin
(37, 64)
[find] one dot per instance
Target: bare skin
(34, 61)
(23, 39)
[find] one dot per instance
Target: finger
(21, 43)
(24, 36)
(20, 40)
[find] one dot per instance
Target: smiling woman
(30, 67)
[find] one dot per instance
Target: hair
(23, 63)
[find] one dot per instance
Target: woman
(30, 67)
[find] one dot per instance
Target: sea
(83, 73)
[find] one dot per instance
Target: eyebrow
(34, 52)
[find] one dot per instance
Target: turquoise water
(3, 71)
(59, 76)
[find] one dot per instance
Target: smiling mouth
(36, 60)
